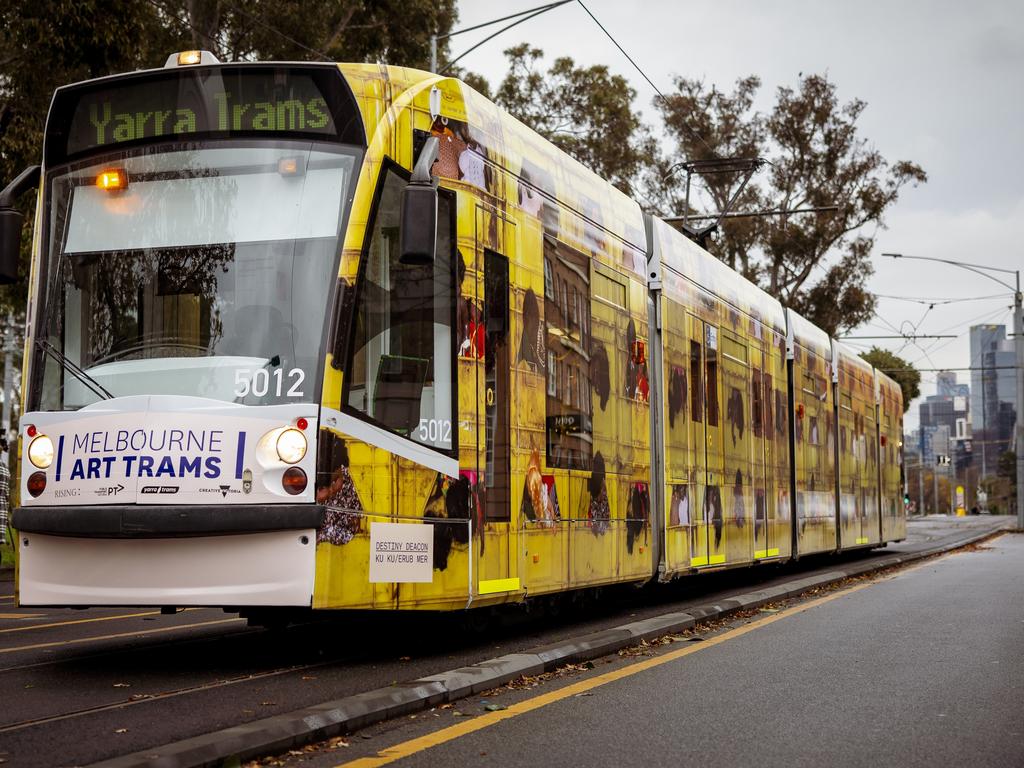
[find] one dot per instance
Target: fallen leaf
(578, 695)
(404, 658)
(121, 730)
(122, 685)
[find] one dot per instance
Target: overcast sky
(943, 82)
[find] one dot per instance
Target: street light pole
(1018, 341)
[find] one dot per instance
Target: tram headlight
(291, 446)
(40, 452)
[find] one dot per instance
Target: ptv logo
(110, 490)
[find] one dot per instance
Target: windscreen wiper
(97, 389)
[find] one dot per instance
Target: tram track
(121, 651)
(116, 636)
(74, 622)
(156, 697)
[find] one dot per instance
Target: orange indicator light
(189, 57)
(288, 166)
(112, 179)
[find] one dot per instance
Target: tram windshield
(201, 269)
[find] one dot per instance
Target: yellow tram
(352, 337)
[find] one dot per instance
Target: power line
(238, 10)
(475, 27)
(644, 75)
(924, 300)
(943, 370)
(536, 12)
(901, 336)
(278, 32)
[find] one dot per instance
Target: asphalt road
(921, 668)
(81, 686)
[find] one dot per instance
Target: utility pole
(921, 485)
(984, 416)
(1018, 344)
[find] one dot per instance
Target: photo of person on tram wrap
(540, 496)
(472, 329)
(637, 385)
(531, 343)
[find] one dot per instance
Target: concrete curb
(334, 718)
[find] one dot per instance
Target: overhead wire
(535, 12)
(278, 32)
(937, 301)
(238, 10)
(643, 74)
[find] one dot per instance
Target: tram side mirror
(419, 224)
(11, 221)
(418, 237)
(10, 245)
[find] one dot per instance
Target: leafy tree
(816, 263)
(908, 377)
(391, 31)
(585, 111)
(48, 43)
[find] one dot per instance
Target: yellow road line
(137, 633)
(413, 746)
(86, 621)
(20, 615)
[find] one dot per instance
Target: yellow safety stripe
(498, 585)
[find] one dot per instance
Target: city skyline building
(993, 391)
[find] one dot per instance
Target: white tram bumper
(271, 568)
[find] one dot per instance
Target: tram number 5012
(259, 382)
(435, 431)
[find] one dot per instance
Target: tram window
(756, 409)
(696, 406)
(781, 405)
(401, 374)
(568, 411)
(767, 405)
(712, 368)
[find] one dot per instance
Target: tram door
(707, 545)
(763, 460)
(495, 570)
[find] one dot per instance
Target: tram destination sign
(194, 103)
